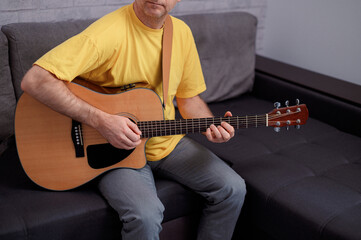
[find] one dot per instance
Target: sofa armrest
(330, 105)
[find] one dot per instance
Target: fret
(199, 124)
(192, 126)
(256, 121)
(151, 127)
(154, 128)
(164, 126)
(161, 128)
(179, 127)
(145, 129)
(175, 127)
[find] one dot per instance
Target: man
(125, 47)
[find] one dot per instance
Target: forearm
(53, 92)
(119, 131)
(193, 107)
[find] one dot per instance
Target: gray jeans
(133, 195)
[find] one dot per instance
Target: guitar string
(203, 121)
(187, 125)
(161, 128)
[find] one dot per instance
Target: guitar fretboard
(196, 125)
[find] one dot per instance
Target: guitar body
(47, 149)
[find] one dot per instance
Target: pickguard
(105, 155)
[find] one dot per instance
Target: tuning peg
(277, 105)
(287, 103)
(298, 127)
(297, 101)
(277, 129)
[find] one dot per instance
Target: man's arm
(45, 87)
(195, 107)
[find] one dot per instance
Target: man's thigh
(194, 166)
(129, 189)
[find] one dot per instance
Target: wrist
(95, 118)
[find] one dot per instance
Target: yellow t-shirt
(119, 49)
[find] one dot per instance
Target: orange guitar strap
(166, 56)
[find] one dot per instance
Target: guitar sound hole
(105, 155)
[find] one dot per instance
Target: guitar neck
(197, 125)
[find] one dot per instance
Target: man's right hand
(119, 131)
(45, 87)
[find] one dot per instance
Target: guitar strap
(166, 56)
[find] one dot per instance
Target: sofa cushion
(226, 45)
(7, 95)
(28, 42)
(308, 180)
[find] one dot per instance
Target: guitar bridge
(77, 137)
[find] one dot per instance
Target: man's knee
(150, 213)
(144, 220)
(235, 189)
(239, 189)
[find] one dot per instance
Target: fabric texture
(111, 58)
(133, 193)
(308, 180)
(300, 184)
(27, 43)
(47, 215)
(7, 97)
(196, 167)
(227, 53)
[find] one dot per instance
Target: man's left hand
(222, 133)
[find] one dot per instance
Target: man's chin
(154, 10)
(155, 14)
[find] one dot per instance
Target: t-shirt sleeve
(192, 82)
(76, 56)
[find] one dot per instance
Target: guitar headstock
(296, 115)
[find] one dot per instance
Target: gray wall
(323, 36)
(12, 11)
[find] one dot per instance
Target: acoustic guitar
(58, 153)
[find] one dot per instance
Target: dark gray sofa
(302, 184)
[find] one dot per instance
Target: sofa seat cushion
(308, 180)
(28, 211)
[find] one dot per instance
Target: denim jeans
(133, 195)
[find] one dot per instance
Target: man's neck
(152, 22)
